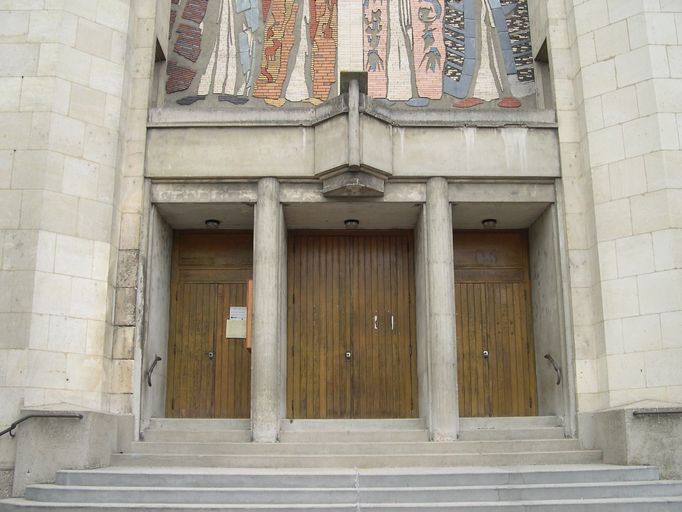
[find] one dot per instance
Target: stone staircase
(500, 464)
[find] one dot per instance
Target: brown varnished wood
(209, 274)
(337, 283)
(493, 312)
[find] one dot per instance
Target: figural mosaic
(454, 53)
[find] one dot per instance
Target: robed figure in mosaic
(488, 51)
(277, 50)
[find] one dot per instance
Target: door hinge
(410, 349)
(172, 404)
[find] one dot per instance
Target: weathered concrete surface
(307, 151)
(46, 445)
(265, 366)
(547, 309)
(6, 476)
(646, 439)
(422, 309)
(157, 318)
(444, 408)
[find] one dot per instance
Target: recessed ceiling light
(351, 223)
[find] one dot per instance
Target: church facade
(335, 209)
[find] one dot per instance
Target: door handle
(485, 354)
(349, 356)
(210, 355)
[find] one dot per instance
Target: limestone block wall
(631, 75)
(615, 68)
(75, 79)
(61, 78)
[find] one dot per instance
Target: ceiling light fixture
(351, 223)
(212, 223)
(489, 223)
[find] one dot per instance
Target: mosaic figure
(488, 53)
(233, 55)
(299, 52)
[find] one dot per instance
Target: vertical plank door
(495, 350)
(351, 293)
(210, 272)
(319, 319)
(383, 326)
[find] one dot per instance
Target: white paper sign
(237, 313)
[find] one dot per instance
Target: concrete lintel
(192, 192)
(310, 192)
(501, 192)
(306, 152)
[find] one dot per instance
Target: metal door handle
(486, 354)
(349, 355)
(210, 355)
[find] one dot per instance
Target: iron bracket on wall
(149, 372)
(556, 368)
(10, 430)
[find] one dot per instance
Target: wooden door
(351, 293)
(495, 350)
(208, 374)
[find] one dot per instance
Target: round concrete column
(444, 407)
(266, 328)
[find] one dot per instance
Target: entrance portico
(302, 206)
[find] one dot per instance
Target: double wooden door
(495, 351)
(351, 325)
(209, 374)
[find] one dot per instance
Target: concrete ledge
(46, 445)
(642, 433)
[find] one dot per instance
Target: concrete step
(359, 461)
(353, 425)
(510, 422)
(553, 488)
(350, 436)
(198, 424)
(665, 504)
(368, 478)
(354, 448)
(206, 436)
(350, 495)
(512, 434)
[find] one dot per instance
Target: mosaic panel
(416, 52)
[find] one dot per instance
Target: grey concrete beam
(192, 192)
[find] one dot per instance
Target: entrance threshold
(302, 425)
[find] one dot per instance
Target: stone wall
(629, 54)
(615, 66)
(75, 80)
(62, 82)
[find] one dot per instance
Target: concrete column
(265, 365)
(444, 410)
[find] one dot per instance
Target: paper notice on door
(236, 323)
(237, 313)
